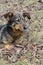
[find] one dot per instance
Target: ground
(32, 53)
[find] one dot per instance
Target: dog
(14, 28)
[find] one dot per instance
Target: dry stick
(24, 46)
(21, 50)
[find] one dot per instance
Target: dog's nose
(25, 27)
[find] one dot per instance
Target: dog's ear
(8, 15)
(26, 14)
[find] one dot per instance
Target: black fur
(6, 32)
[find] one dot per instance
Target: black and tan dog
(13, 29)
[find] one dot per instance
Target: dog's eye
(13, 24)
(18, 19)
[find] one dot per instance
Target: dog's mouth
(17, 29)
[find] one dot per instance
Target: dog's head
(17, 23)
